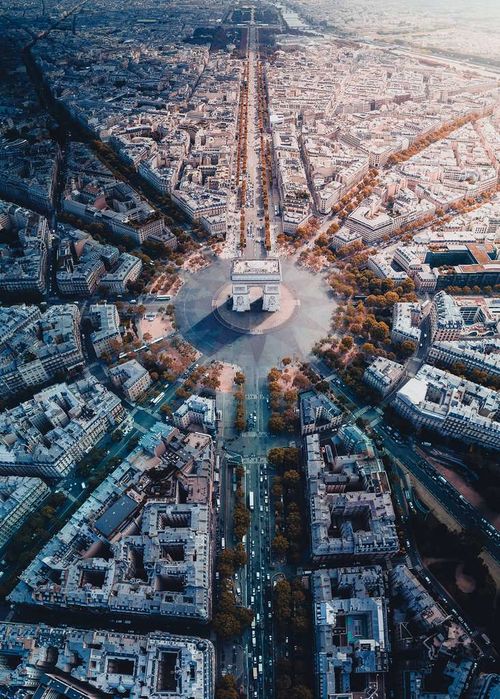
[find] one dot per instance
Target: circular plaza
(205, 318)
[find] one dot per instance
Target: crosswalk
(361, 411)
(254, 459)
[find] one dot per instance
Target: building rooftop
(92, 664)
(141, 543)
(265, 270)
(352, 638)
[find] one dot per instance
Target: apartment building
(446, 320)
(36, 352)
(47, 435)
(106, 321)
(437, 400)
(351, 630)
(116, 281)
(23, 266)
(196, 410)
(383, 375)
(318, 413)
(20, 497)
(92, 663)
(131, 378)
(482, 354)
(406, 318)
(350, 507)
(142, 542)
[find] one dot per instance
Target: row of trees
(362, 328)
(230, 619)
(241, 152)
(265, 162)
(283, 401)
(289, 506)
(292, 611)
(127, 172)
(30, 538)
(353, 198)
(433, 136)
(473, 290)
(200, 377)
(239, 397)
(99, 231)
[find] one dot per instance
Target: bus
(158, 398)
(250, 499)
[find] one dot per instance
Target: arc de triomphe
(246, 274)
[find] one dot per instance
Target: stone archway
(247, 274)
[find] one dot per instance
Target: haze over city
(249, 349)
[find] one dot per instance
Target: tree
(226, 625)
(347, 342)
(239, 378)
(226, 688)
(280, 544)
(291, 478)
(408, 347)
(283, 601)
(239, 423)
(277, 487)
(240, 556)
(301, 692)
(276, 424)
